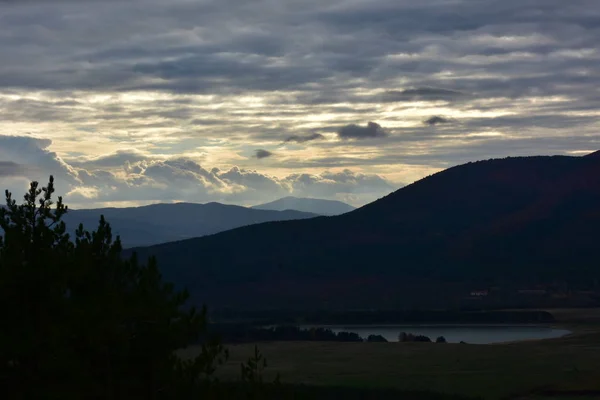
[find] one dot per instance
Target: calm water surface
(475, 334)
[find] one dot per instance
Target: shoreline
(414, 329)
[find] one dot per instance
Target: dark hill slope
(516, 220)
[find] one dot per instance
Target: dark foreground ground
(561, 369)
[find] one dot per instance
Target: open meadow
(532, 369)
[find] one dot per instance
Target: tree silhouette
(81, 322)
(376, 338)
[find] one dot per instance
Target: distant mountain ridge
(505, 222)
(316, 206)
(160, 223)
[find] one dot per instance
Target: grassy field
(516, 370)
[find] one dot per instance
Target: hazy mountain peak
(165, 222)
(316, 206)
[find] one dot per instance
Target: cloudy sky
(244, 101)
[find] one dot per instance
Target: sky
(131, 102)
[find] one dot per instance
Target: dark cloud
(436, 120)
(352, 131)
(261, 153)
(304, 139)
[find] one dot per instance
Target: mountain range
(160, 223)
(315, 206)
(515, 221)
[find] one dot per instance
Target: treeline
(330, 317)
(242, 333)
(410, 337)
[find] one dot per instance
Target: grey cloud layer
(232, 46)
(448, 80)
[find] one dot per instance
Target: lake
(473, 334)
